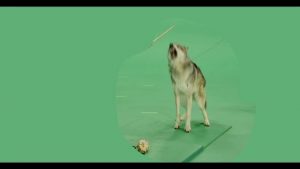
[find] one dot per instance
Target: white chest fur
(181, 75)
(182, 83)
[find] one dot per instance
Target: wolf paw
(177, 125)
(206, 123)
(188, 128)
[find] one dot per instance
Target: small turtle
(142, 146)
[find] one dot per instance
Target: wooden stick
(162, 34)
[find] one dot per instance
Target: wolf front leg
(188, 113)
(202, 104)
(177, 102)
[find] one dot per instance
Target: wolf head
(177, 52)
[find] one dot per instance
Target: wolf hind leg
(202, 103)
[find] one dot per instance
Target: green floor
(145, 101)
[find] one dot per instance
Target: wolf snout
(171, 45)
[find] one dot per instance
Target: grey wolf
(188, 85)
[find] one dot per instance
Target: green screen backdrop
(59, 70)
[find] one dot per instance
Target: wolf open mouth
(172, 51)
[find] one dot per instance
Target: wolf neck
(180, 66)
(180, 73)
